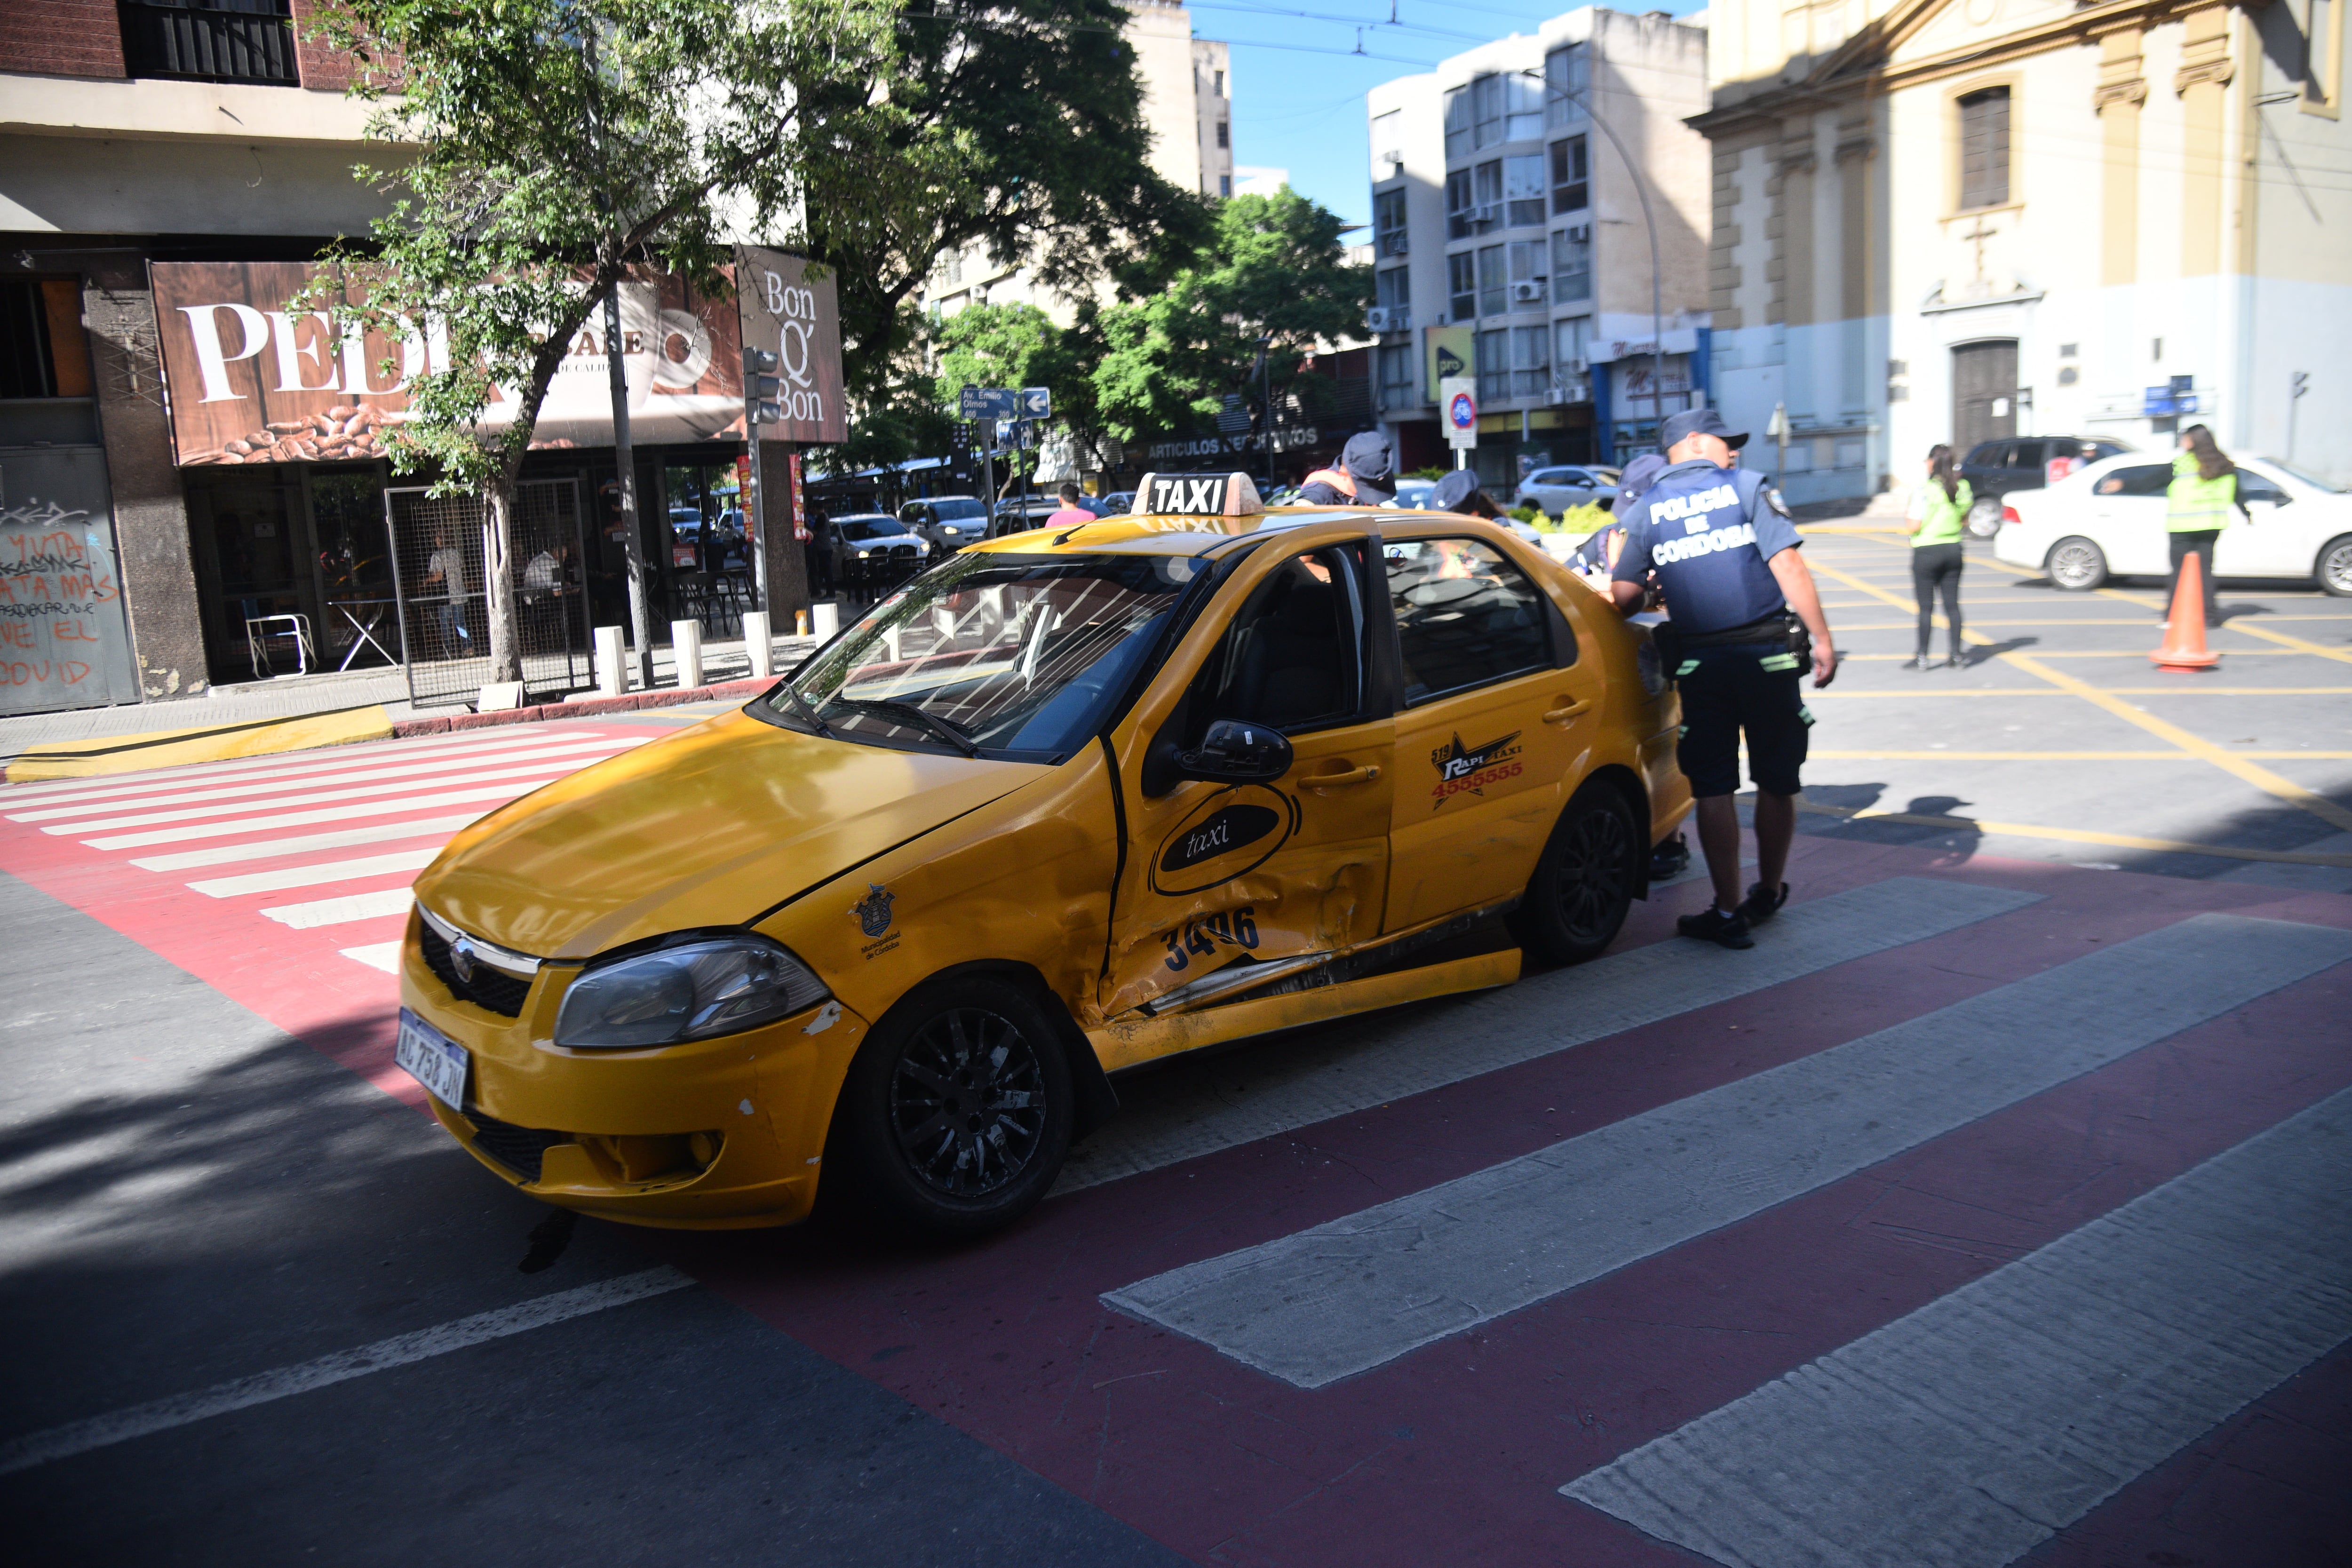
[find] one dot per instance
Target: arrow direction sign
(1036, 403)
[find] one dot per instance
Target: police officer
(1722, 545)
(1364, 476)
(1598, 554)
(1460, 492)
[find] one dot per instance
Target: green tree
(549, 148)
(1274, 269)
(1020, 134)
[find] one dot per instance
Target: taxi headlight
(690, 991)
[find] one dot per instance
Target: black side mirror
(1236, 751)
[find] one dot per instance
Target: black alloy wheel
(956, 1114)
(1583, 885)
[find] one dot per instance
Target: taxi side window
(2148, 480)
(1292, 657)
(1464, 616)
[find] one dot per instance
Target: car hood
(708, 827)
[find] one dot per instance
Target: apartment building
(1516, 191)
(2012, 218)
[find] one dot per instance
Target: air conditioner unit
(1388, 318)
(1575, 368)
(1570, 389)
(1395, 160)
(1527, 293)
(1486, 212)
(1580, 234)
(1393, 243)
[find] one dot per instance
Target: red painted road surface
(1456, 1452)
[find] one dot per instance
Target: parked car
(1116, 503)
(2107, 521)
(878, 551)
(1997, 469)
(947, 523)
(1556, 489)
(1413, 495)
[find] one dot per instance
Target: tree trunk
(497, 579)
(624, 454)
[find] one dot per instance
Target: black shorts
(1727, 690)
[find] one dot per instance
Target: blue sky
(1298, 84)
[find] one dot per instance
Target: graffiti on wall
(58, 602)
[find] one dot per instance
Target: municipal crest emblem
(873, 910)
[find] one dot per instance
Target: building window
(1572, 264)
(1567, 72)
(1225, 134)
(1388, 223)
(1486, 111)
(1397, 389)
(2323, 54)
(1984, 148)
(1393, 289)
(1457, 204)
(1575, 337)
(1494, 280)
(1494, 351)
(1522, 189)
(1462, 280)
(1490, 188)
(1571, 177)
(1387, 145)
(1217, 87)
(1528, 274)
(42, 351)
(1457, 125)
(1531, 362)
(1224, 184)
(247, 41)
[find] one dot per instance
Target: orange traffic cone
(2184, 629)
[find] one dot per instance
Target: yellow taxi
(1072, 802)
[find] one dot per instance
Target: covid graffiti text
(58, 593)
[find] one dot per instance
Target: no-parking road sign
(1457, 395)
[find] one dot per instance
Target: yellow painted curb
(214, 743)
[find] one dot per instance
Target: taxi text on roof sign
(1198, 495)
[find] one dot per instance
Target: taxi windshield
(1010, 656)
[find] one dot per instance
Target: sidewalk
(238, 711)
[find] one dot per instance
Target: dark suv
(1993, 469)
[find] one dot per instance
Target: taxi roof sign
(1198, 495)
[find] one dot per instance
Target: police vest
(2194, 505)
(1703, 548)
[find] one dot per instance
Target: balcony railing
(210, 40)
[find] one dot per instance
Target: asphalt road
(1664, 1259)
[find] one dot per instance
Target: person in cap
(1722, 544)
(1599, 553)
(1460, 492)
(1364, 476)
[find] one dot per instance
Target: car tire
(1583, 884)
(956, 1113)
(1984, 518)
(2334, 568)
(2076, 564)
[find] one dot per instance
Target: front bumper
(716, 1133)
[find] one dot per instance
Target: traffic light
(761, 386)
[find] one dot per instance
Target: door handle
(1562, 715)
(1331, 781)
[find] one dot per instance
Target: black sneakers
(1761, 904)
(1716, 926)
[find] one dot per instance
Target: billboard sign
(797, 317)
(1449, 352)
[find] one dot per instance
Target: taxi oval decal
(1229, 835)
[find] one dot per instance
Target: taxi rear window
(1016, 657)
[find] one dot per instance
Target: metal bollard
(825, 619)
(686, 648)
(612, 664)
(759, 644)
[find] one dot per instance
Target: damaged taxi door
(1220, 877)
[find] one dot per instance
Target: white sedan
(2107, 521)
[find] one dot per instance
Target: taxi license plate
(433, 1059)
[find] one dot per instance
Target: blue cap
(1677, 428)
(1454, 488)
(1639, 476)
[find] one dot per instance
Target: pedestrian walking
(1744, 619)
(1071, 512)
(1364, 476)
(2196, 508)
(1938, 517)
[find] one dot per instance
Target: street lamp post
(1649, 219)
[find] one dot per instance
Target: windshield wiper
(801, 706)
(931, 722)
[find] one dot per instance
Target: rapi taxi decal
(1228, 835)
(1473, 768)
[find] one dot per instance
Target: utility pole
(2298, 385)
(615, 363)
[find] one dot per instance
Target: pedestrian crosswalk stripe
(303, 844)
(554, 765)
(1974, 1429)
(286, 766)
(188, 832)
(360, 770)
(1176, 1114)
(320, 872)
(1344, 1297)
(342, 910)
(383, 955)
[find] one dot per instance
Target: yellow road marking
(2118, 690)
(2083, 835)
(2154, 627)
(1934, 757)
(2261, 778)
(2295, 644)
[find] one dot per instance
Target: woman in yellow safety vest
(1938, 509)
(2196, 508)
